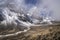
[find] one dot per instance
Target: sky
(31, 2)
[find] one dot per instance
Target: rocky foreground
(49, 32)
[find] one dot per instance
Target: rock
(1, 15)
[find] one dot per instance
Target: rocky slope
(49, 32)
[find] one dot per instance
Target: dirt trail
(50, 32)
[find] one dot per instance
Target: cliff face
(49, 32)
